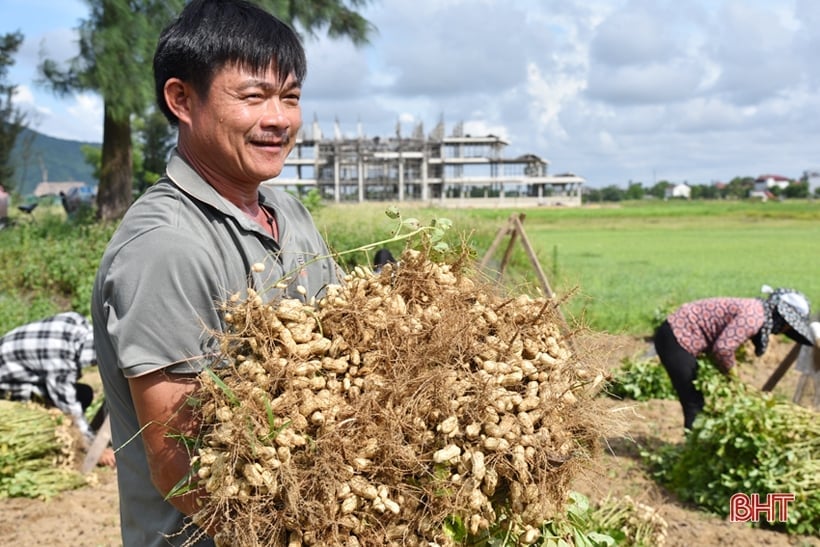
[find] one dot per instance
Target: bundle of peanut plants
(417, 406)
(627, 521)
(38, 449)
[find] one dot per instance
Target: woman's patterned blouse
(717, 326)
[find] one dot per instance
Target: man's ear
(178, 97)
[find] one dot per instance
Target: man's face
(246, 127)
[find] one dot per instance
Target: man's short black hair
(209, 34)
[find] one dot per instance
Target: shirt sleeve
(161, 314)
(60, 382)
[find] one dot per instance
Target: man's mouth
(277, 142)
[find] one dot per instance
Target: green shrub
(641, 380)
(48, 266)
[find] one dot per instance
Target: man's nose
(275, 114)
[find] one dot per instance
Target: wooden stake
(782, 368)
(515, 229)
(98, 445)
(539, 272)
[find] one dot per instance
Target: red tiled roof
(773, 177)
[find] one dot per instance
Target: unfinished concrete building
(450, 171)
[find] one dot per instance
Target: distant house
(765, 183)
(55, 188)
(682, 190)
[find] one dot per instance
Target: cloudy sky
(612, 90)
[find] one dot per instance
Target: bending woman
(718, 327)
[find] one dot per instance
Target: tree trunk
(114, 194)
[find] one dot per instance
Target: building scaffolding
(457, 171)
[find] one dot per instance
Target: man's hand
(107, 458)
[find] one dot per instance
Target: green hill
(37, 157)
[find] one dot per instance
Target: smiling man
(229, 76)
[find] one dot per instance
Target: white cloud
(753, 47)
(23, 97)
(336, 70)
(647, 84)
(613, 90)
(82, 119)
(632, 38)
(549, 94)
(708, 114)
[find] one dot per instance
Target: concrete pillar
(401, 178)
(360, 172)
(336, 178)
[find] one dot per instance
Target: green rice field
(621, 268)
(625, 267)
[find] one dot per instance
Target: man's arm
(161, 402)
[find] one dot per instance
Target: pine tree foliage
(12, 119)
(116, 44)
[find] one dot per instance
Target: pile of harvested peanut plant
(38, 451)
(399, 409)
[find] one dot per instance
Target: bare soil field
(89, 516)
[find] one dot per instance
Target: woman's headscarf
(784, 307)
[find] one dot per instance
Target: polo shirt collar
(190, 182)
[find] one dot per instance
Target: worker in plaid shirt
(43, 361)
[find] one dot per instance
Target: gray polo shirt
(180, 251)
